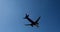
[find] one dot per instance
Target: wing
(37, 19)
(29, 24)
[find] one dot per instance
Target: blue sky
(12, 13)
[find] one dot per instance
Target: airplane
(33, 23)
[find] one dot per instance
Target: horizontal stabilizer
(26, 16)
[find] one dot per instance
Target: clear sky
(12, 13)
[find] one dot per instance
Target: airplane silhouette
(32, 22)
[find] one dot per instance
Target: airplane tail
(26, 16)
